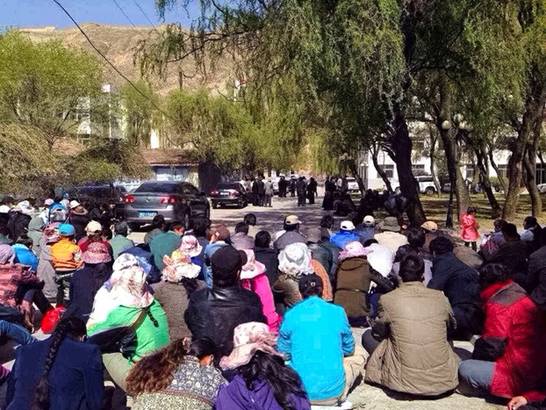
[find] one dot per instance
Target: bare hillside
(118, 43)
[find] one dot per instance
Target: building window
(388, 169)
(418, 169)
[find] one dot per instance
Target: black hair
(241, 227)
(58, 198)
(72, 327)
(310, 285)
(176, 225)
(441, 245)
(327, 221)
(498, 224)
(107, 233)
(284, 381)
(202, 347)
(190, 285)
(250, 219)
(416, 237)
(492, 273)
(158, 221)
(471, 210)
(370, 242)
(530, 222)
(412, 268)
(25, 240)
(121, 228)
(223, 278)
(199, 226)
(510, 230)
(262, 240)
(290, 228)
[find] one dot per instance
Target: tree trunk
(449, 214)
(401, 147)
(450, 147)
(380, 171)
(354, 170)
(500, 177)
(530, 164)
(486, 182)
(435, 180)
(534, 105)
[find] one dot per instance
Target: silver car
(176, 201)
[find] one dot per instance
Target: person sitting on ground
(199, 229)
(532, 400)
(326, 225)
(390, 235)
(65, 254)
(241, 240)
(323, 251)
(430, 229)
(366, 230)
(165, 243)
(531, 233)
(179, 281)
(79, 218)
(266, 255)
(316, 338)
(87, 281)
(253, 277)
(410, 352)
(416, 245)
(215, 312)
(24, 255)
(460, 284)
(250, 220)
(4, 235)
(345, 234)
(296, 261)
(120, 242)
(261, 379)
(60, 372)
(35, 233)
(94, 233)
(291, 234)
(469, 228)
(158, 226)
(218, 238)
(512, 254)
(45, 270)
(509, 359)
(354, 278)
(494, 240)
(123, 300)
(179, 376)
(19, 218)
(536, 277)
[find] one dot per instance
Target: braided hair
(73, 327)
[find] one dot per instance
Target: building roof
(169, 157)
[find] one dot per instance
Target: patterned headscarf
(178, 266)
(248, 338)
(6, 254)
(353, 250)
(295, 260)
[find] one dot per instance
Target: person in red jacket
(509, 359)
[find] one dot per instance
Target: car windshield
(228, 186)
(157, 188)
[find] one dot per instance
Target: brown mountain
(118, 43)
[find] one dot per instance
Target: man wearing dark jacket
(214, 313)
(266, 255)
(460, 284)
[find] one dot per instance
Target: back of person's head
(219, 232)
(262, 240)
(510, 231)
(441, 245)
(200, 225)
(498, 224)
(369, 242)
(471, 210)
(530, 222)
(25, 241)
(241, 227)
(58, 198)
(226, 264)
(177, 226)
(72, 327)
(310, 285)
(121, 228)
(412, 268)
(492, 273)
(416, 238)
(159, 222)
(155, 372)
(250, 219)
(327, 222)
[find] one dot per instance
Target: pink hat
(252, 267)
(190, 246)
(353, 250)
(97, 252)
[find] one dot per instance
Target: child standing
(469, 228)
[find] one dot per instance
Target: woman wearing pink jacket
(253, 278)
(469, 228)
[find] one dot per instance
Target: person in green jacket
(120, 242)
(123, 300)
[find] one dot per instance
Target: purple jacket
(236, 396)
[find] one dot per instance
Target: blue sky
(35, 13)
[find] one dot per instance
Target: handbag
(121, 339)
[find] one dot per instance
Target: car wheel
(430, 191)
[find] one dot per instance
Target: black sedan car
(232, 193)
(176, 201)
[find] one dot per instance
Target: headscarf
(248, 338)
(24, 207)
(380, 258)
(190, 246)
(6, 254)
(353, 250)
(252, 267)
(295, 260)
(178, 266)
(126, 287)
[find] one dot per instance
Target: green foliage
(139, 112)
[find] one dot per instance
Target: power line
(144, 14)
(108, 61)
(123, 12)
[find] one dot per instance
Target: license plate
(147, 214)
(224, 193)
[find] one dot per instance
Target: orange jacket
(65, 254)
